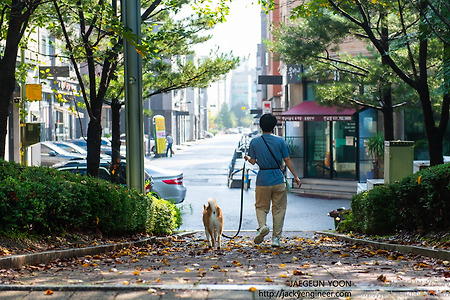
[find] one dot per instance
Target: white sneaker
(260, 234)
(276, 242)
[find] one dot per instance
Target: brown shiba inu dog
(213, 221)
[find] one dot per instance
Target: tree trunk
(435, 147)
(115, 120)
(93, 146)
(386, 90)
(388, 116)
(8, 67)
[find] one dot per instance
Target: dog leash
(242, 202)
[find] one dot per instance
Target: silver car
(80, 167)
(167, 184)
(52, 154)
(72, 148)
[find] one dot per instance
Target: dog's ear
(204, 206)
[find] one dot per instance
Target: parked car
(72, 148)
(167, 184)
(105, 147)
(52, 154)
(80, 167)
(123, 142)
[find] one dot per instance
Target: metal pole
(134, 120)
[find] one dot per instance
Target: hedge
(420, 201)
(44, 200)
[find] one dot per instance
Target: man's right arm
(250, 160)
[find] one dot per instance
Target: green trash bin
(398, 160)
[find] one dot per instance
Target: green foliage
(164, 217)
(348, 223)
(375, 145)
(417, 202)
(225, 117)
(62, 202)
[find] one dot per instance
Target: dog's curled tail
(212, 204)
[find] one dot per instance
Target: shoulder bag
(288, 187)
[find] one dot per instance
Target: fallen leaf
(216, 267)
(48, 292)
(284, 276)
(297, 272)
(382, 278)
(126, 282)
(85, 265)
(252, 289)
(136, 273)
(344, 255)
(282, 266)
(269, 280)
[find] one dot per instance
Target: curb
(405, 249)
(17, 261)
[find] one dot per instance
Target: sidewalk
(308, 266)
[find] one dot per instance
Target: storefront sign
(34, 92)
(316, 118)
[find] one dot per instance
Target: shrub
(417, 202)
(44, 200)
(164, 217)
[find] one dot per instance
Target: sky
(241, 33)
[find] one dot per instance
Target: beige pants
(277, 195)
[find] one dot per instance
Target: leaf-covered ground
(304, 260)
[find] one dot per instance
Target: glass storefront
(318, 149)
(331, 150)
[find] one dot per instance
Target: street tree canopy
(412, 38)
(98, 46)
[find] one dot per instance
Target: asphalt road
(205, 166)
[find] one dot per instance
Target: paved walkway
(307, 266)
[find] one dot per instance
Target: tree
(241, 113)
(417, 52)
(314, 42)
(225, 117)
(14, 19)
(98, 46)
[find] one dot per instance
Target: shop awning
(311, 111)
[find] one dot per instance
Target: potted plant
(375, 147)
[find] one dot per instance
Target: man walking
(169, 140)
(269, 151)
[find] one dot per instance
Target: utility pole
(133, 97)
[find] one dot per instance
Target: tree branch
(408, 46)
(364, 104)
(74, 63)
(148, 11)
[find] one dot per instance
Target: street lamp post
(134, 120)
